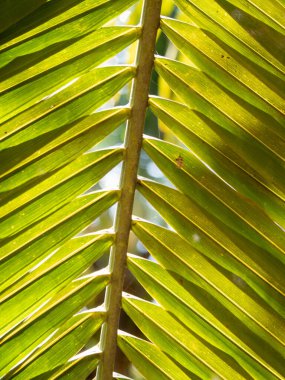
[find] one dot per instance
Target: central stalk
(133, 141)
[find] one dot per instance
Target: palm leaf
(214, 279)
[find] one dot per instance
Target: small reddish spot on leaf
(179, 161)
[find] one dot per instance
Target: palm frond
(213, 275)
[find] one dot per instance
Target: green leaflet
(80, 365)
(182, 304)
(211, 95)
(220, 64)
(53, 232)
(200, 134)
(151, 362)
(72, 141)
(56, 75)
(71, 181)
(72, 76)
(190, 351)
(172, 207)
(68, 340)
(216, 18)
(54, 274)
(50, 317)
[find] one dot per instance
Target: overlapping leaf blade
(51, 88)
(217, 18)
(68, 340)
(217, 282)
(71, 142)
(80, 365)
(211, 95)
(190, 351)
(223, 120)
(46, 280)
(28, 336)
(167, 288)
(188, 125)
(218, 64)
(151, 362)
(216, 108)
(107, 40)
(249, 219)
(84, 173)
